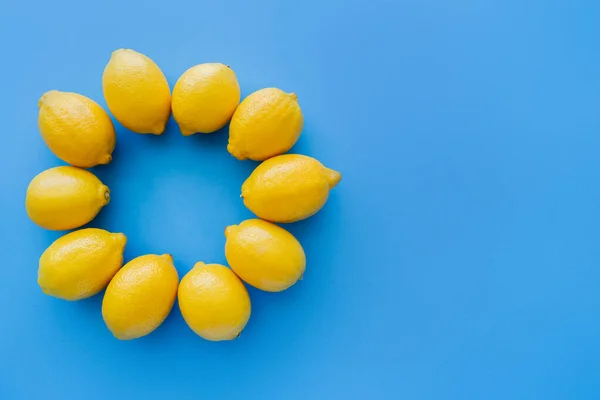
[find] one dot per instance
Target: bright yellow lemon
(288, 188)
(137, 92)
(264, 255)
(214, 302)
(140, 296)
(76, 129)
(266, 123)
(80, 264)
(62, 198)
(204, 98)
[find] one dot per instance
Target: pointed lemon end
(122, 336)
(119, 52)
(229, 230)
(186, 132)
(333, 177)
(120, 238)
(158, 129)
(168, 257)
(116, 58)
(46, 97)
(294, 96)
(199, 264)
(106, 159)
(105, 194)
(240, 156)
(234, 151)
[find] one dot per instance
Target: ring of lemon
(335, 178)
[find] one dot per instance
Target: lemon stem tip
(228, 230)
(158, 130)
(106, 194)
(333, 177)
(120, 237)
(44, 97)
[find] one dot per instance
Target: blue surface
(458, 259)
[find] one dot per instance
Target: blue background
(458, 259)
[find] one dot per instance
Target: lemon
(288, 188)
(214, 302)
(80, 264)
(137, 92)
(204, 98)
(264, 255)
(266, 123)
(62, 198)
(140, 296)
(76, 129)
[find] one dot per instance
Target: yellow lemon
(214, 302)
(81, 263)
(204, 98)
(266, 123)
(264, 255)
(76, 129)
(288, 188)
(140, 296)
(62, 198)
(137, 92)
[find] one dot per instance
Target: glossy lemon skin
(288, 188)
(264, 255)
(267, 123)
(81, 263)
(140, 296)
(76, 129)
(65, 197)
(214, 302)
(204, 98)
(137, 92)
